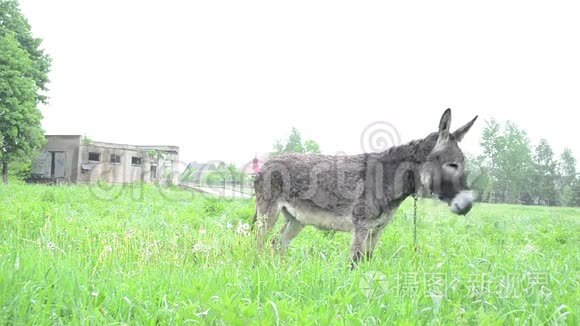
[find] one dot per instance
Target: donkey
(360, 193)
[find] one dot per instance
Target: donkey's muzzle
(462, 202)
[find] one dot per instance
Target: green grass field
(80, 255)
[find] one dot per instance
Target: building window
(115, 158)
(135, 160)
(94, 157)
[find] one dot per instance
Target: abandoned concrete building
(75, 159)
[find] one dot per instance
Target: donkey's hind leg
(364, 243)
(267, 215)
(372, 240)
(290, 230)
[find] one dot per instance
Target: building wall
(124, 171)
(78, 167)
(70, 146)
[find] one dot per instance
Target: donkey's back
(314, 182)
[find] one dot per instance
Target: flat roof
(168, 148)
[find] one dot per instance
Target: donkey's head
(443, 173)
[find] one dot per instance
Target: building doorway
(57, 164)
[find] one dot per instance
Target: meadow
(145, 255)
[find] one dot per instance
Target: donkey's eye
(453, 165)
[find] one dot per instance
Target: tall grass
(138, 255)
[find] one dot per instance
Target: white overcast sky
(224, 79)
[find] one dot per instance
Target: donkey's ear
(444, 125)
(459, 133)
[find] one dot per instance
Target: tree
(507, 154)
(20, 129)
(311, 147)
(544, 181)
(489, 142)
(507, 171)
(575, 197)
(294, 144)
(13, 22)
(490, 138)
(225, 174)
(478, 177)
(24, 71)
(567, 179)
(235, 175)
(567, 167)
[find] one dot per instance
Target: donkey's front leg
(359, 247)
(364, 238)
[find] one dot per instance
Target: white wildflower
(243, 229)
(129, 233)
(51, 246)
(260, 222)
(202, 314)
(528, 249)
(201, 248)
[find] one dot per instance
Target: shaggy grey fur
(359, 193)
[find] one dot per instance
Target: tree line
(511, 170)
(224, 174)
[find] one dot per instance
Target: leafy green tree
(507, 154)
(311, 147)
(567, 168)
(225, 174)
(544, 175)
(575, 194)
(235, 174)
(516, 159)
(490, 139)
(13, 22)
(24, 71)
(478, 177)
(215, 178)
(567, 196)
(489, 142)
(567, 183)
(507, 171)
(20, 131)
(294, 144)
